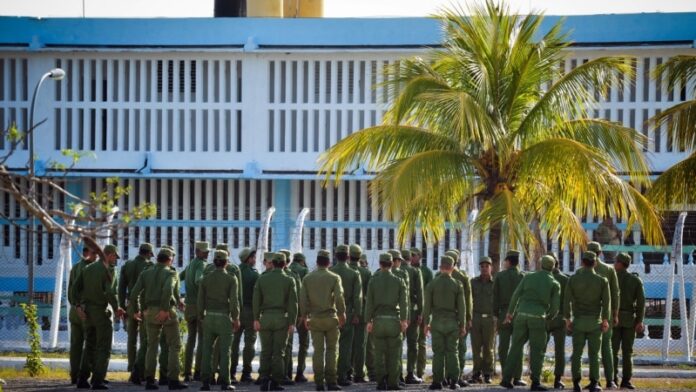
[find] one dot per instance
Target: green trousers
(246, 328)
(586, 331)
(370, 356)
(77, 343)
(558, 333)
(504, 336)
(163, 357)
(99, 331)
(216, 328)
(622, 339)
(420, 367)
(388, 341)
(482, 343)
(412, 334)
(359, 342)
(195, 337)
(274, 337)
(325, 335)
(345, 348)
(532, 329)
(170, 328)
(445, 340)
(607, 354)
(461, 352)
(136, 357)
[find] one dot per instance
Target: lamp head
(56, 74)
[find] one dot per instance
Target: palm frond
(680, 123)
(505, 209)
(675, 189)
(677, 71)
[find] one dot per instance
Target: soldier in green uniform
(95, 290)
(397, 261)
(287, 379)
(363, 261)
(416, 318)
(463, 278)
(587, 300)
(445, 302)
(163, 346)
(352, 294)
(359, 340)
(387, 319)
(631, 314)
(275, 315)
(247, 258)
(427, 276)
(536, 299)
(556, 329)
(78, 348)
(504, 285)
(323, 311)
(604, 270)
(157, 288)
(482, 326)
(218, 307)
(192, 276)
(369, 345)
(299, 267)
(130, 272)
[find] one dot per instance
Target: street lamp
(55, 74)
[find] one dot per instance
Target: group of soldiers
(358, 320)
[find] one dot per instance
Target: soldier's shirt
(275, 291)
(219, 293)
(192, 276)
(299, 269)
(606, 271)
(482, 295)
(352, 287)
(386, 296)
(587, 296)
(365, 276)
(321, 294)
(504, 285)
(249, 277)
(156, 287)
(537, 295)
(231, 269)
(75, 273)
(444, 298)
(96, 286)
(426, 273)
(632, 299)
(130, 272)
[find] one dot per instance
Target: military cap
(589, 255)
(268, 255)
(406, 254)
(146, 247)
(512, 253)
(112, 249)
(624, 258)
(279, 257)
(355, 250)
(594, 246)
(395, 254)
(221, 255)
(245, 253)
(287, 254)
(416, 251)
(486, 260)
(299, 256)
(343, 248)
(455, 251)
(548, 262)
(552, 254)
(165, 252)
(452, 254)
(202, 246)
(221, 246)
(363, 256)
(446, 261)
(385, 258)
(167, 246)
(324, 253)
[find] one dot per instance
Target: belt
(222, 314)
(484, 315)
(386, 317)
(531, 315)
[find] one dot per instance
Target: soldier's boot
(611, 385)
(73, 380)
(626, 384)
(320, 387)
(359, 380)
(413, 379)
(135, 377)
(462, 382)
(576, 386)
(196, 376)
(519, 383)
(536, 386)
(259, 381)
(265, 384)
(150, 384)
(506, 384)
(100, 386)
(227, 387)
(557, 384)
(476, 378)
(487, 379)
(215, 380)
(287, 381)
(188, 378)
(82, 383)
(163, 379)
(594, 386)
(300, 377)
(274, 386)
(344, 382)
(246, 377)
(435, 386)
(454, 384)
(233, 379)
(333, 387)
(205, 386)
(175, 385)
(382, 384)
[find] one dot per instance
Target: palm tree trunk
(495, 236)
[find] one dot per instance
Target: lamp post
(55, 74)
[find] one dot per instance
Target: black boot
(300, 377)
(359, 380)
(274, 386)
(333, 387)
(435, 386)
(73, 380)
(150, 384)
(506, 384)
(536, 386)
(265, 384)
(454, 384)
(519, 383)
(320, 387)
(594, 386)
(612, 385)
(82, 383)
(412, 379)
(205, 386)
(233, 379)
(626, 384)
(344, 382)
(382, 384)
(99, 386)
(227, 387)
(487, 379)
(476, 378)
(135, 377)
(557, 384)
(576, 386)
(175, 385)
(288, 381)
(246, 377)
(163, 380)
(462, 382)
(196, 376)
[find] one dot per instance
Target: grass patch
(672, 384)
(51, 354)
(54, 374)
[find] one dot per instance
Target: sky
(332, 8)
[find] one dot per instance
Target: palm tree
(491, 121)
(676, 187)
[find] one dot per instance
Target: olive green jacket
(482, 296)
(606, 271)
(386, 297)
(231, 269)
(444, 299)
(192, 275)
(587, 296)
(275, 291)
(632, 302)
(218, 293)
(96, 286)
(426, 274)
(249, 277)
(158, 287)
(321, 294)
(415, 289)
(537, 295)
(352, 287)
(504, 285)
(75, 273)
(463, 278)
(130, 272)
(299, 269)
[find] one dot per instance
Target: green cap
(552, 254)
(395, 254)
(452, 254)
(287, 254)
(112, 249)
(355, 250)
(343, 248)
(416, 251)
(324, 253)
(202, 246)
(589, 255)
(221, 255)
(165, 252)
(595, 247)
(221, 246)
(279, 256)
(385, 258)
(548, 262)
(512, 253)
(268, 255)
(146, 247)
(486, 260)
(455, 251)
(299, 256)
(406, 254)
(446, 261)
(363, 256)
(624, 258)
(245, 253)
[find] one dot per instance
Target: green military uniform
(483, 325)
(275, 308)
(192, 276)
(606, 271)
(556, 329)
(427, 275)
(588, 302)
(249, 276)
(288, 345)
(536, 299)
(631, 314)
(95, 290)
(360, 336)
(321, 301)
(463, 278)
(77, 331)
(415, 313)
(387, 300)
(369, 344)
(445, 302)
(156, 288)
(130, 272)
(301, 271)
(504, 285)
(406, 278)
(218, 307)
(352, 294)
(163, 346)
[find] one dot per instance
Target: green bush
(34, 366)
